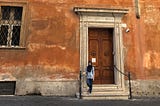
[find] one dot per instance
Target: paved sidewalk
(69, 101)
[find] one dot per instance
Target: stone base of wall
(140, 88)
(51, 88)
(145, 88)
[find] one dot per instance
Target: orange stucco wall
(143, 41)
(52, 44)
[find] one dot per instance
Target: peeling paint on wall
(151, 60)
(35, 46)
(151, 15)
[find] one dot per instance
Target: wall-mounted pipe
(137, 8)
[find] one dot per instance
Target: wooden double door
(100, 52)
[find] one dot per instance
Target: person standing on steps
(90, 76)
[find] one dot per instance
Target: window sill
(12, 47)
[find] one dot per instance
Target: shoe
(88, 91)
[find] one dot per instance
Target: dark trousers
(89, 84)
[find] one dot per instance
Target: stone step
(108, 91)
(112, 86)
(105, 95)
(105, 88)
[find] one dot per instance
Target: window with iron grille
(10, 25)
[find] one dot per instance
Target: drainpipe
(137, 8)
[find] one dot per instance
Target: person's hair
(89, 67)
(90, 62)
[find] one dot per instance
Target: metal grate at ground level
(7, 87)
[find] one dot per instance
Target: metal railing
(129, 80)
(80, 84)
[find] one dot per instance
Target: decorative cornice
(99, 11)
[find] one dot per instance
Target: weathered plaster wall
(142, 50)
(52, 45)
(47, 88)
(142, 43)
(143, 88)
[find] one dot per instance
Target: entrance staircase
(109, 91)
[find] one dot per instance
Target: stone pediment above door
(100, 14)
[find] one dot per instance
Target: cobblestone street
(68, 101)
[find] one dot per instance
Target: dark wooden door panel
(106, 53)
(97, 77)
(94, 50)
(101, 49)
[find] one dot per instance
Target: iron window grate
(10, 25)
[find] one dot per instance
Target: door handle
(108, 68)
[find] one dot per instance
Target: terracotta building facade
(46, 44)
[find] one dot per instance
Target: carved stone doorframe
(102, 18)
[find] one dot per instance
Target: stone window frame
(24, 22)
